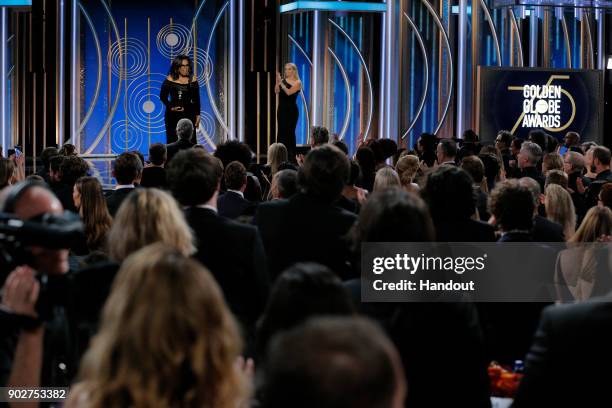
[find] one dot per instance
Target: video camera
(48, 231)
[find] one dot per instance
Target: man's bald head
(37, 201)
(32, 202)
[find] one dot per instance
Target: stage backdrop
(556, 100)
(125, 52)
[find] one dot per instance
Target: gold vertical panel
(508, 13)
(269, 109)
(582, 41)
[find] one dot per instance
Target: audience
(184, 132)
(528, 159)
(91, 205)
(303, 291)
(552, 161)
(232, 203)
(232, 251)
(367, 163)
(71, 169)
(127, 170)
(320, 136)
(450, 197)
(386, 178)
(284, 184)
(503, 141)
(560, 209)
(556, 177)
(166, 339)
(150, 268)
(277, 154)
(145, 217)
(7, 172)
(407, 168)
(308, 227)
(352, 196)
(446, 151)
(544, 230)
(234, 150)
(475, 168)
(334, 363)
(154, 175)
(605, 196)
(420, 330)
(45, 158)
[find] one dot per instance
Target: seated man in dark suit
(452, 203)
(184, 131)
(570, 358)
(232, 203)
(127, 170)
(527, 159)
(155, 174)
(309, 226)
(544, 230)
(601, 167)
(232, 251)
(284, 184)
(509, 327)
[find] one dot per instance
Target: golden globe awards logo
(542, 106)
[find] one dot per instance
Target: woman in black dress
(180, 93)
(287, 112)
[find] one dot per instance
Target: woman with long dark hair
(89, 200)
(180, 93)
(287, 114)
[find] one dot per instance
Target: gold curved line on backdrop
(487, 12)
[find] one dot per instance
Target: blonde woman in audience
(386, 178)
(552, 161)
(147, 216)
(560, 208)
(277, 154)
(576, 272)
(407, 167)
(167, 339)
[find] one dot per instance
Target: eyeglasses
(184, 65)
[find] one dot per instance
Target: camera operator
(35, 339)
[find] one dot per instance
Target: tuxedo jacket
(173, 148)
(569, 362)
(233, 205)
(115, 198)
(234, 254)
(305, 229)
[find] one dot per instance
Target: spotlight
(609, 64)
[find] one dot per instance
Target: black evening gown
(174, 94)
(287, 117)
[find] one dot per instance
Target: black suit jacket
(420, 331)
(174, 148)
(304, 229)
(115, 198)
(569, 362)
(535, 174)
(154, 177)
(63, 192)
(234, 254)
(545, 230)
(233, 205)
(463, 230)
